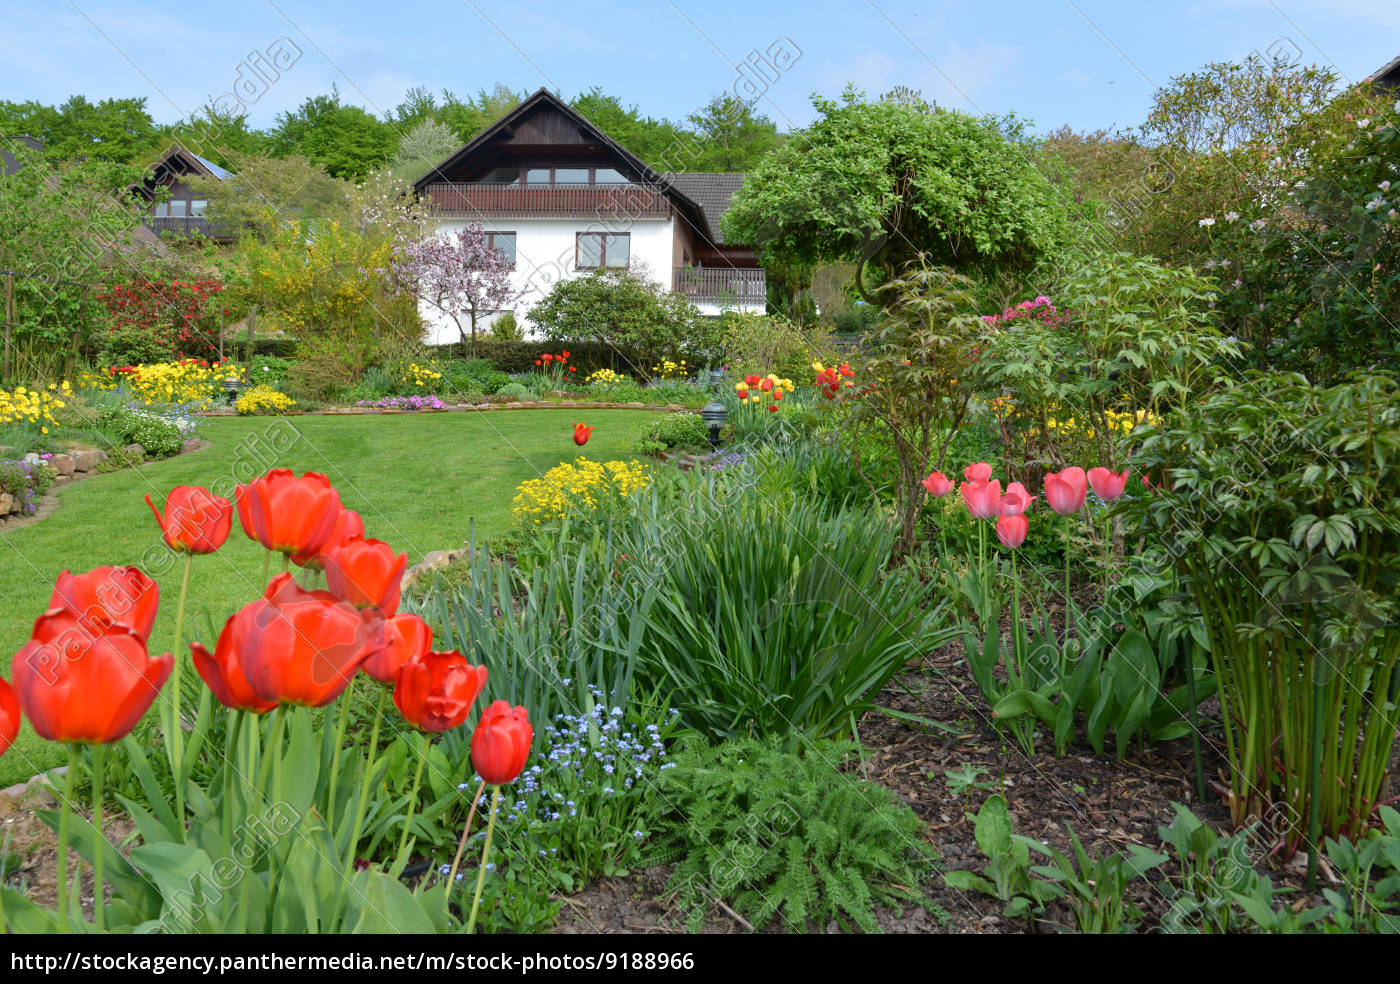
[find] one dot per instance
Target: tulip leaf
(385, 905)
(23, 917)
(302, 764)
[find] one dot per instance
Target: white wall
(544, 255)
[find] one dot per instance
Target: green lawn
(419, 480)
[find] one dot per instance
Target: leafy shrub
(517, 391)
(1276, 515)
(268, 369)
(756, 343)
(132, 347)
(262, 399)
(506, 328)
(26, 482)
(676, 430)
(159, 435)
(776, 833)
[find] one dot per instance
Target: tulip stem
(267, 564)
(63, 820)
(412, 807)
(177, 739)
(345, 699)
(365, 783)
(485, 854)
(462, 845)
(97, 845)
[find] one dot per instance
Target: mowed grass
(419, 481)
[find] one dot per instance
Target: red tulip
(766, 385)
(222, 670)
(501, 743)
(289, 514)
(981, 498)
(195, 521)
(303, 647)
(366, 573)
(348, 526)
(547, 357)
(742, 394)
(1065, 490)
(75, 685)
(772, 408)
(1106, 485)
(243, 503)
(581, 434)
(435, 692)
(1012, 530)
(106, 597)
(980, 472)
(777, 395)
(573, 368)
(9, 716)
(938, 484)
(406, 637)
(1016, 500)
(538, 362)
(564, 355)
(752, 380)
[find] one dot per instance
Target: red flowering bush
(155, 320)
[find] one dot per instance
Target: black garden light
(715, 415)
(232, 385)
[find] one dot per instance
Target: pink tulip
(1065, 490)
(1016, 500)
(981, 498)
(980, 472)
(1108, 486)
(1012, 530)
(938, 484)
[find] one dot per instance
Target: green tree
(883, 183)
(734, 136)
(345, 140)
(648, 138)
(618, 307)
(422, 148)
(113, 130)
(266, 191)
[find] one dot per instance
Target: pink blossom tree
(460, 275)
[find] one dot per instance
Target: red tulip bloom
(348, 526)
(582, 434)
(547, 357)
(1016, 500)
(9, 716)
(938, 484)
(766, 385)
(435, 692)
(366, 573)
(777, 395)
(289, 514)
(303, 647)
(1107, 485)
(564, 355)
(501, 743)
(195, 521)
(75, 685)
(742, 394)
(980, 472)
(1065, 490)
(1012, 530)
(538, 362)
(222, 670)
(406, 637)
(243, 503)
(751, 380)
(981, 498)
(107, 597)
(772, 408)
(573, 368)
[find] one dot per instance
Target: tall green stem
(335, 752)
(412, 804)
(485, 854)
(267, 564)
(97, 845)
(177, 729)
(63, 823)
(462, 844)
(1315, 782)
(366, 781)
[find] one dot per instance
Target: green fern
(774, 833)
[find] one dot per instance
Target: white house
(561, 198)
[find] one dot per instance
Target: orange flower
(195, 521)
(366, 573)
(222, 670)
(406, 637)
(289, 514)
(436, 691)
(582, 434)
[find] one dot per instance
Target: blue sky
(1086, 63)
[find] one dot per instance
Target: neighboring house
(1387, 77)
(9, 163)
(561, 198)
(180, 211)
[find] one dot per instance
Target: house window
(606, 175)
(504, 243)
(537, 175)
(571, 175)
(602, 249)
(177, 207)
(502, 175)
(198, 206)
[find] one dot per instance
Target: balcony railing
(719, 285)
(186, 225)
(471, 200)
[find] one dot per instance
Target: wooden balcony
(740, 286)
(481, 200)
(187, 225)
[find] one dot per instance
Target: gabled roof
(1388, 75)
(9, 163)
(689, 207)
(712, 190)
(181, 161)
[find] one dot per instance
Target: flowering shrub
(160, 433)
(415, 375)
(404, 403)
(195, 382)
(605, 379)
(26, 405)
(27, 482)
(261, 399)
(1118, 423)
(577, 485)
(666, 369)
(171, 314)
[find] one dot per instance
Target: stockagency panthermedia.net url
(231, 964)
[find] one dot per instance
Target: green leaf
(993, 828)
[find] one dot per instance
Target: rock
(63, 464)
(7, 504)
(134, 452)
(87, 459)
(193, 444)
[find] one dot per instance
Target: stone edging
(464, 407)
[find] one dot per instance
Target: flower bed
(404, 403)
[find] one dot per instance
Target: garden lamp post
(714, 415)
(231, 387)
